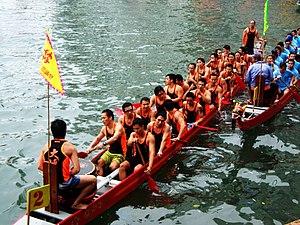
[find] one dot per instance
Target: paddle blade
(118, 111)
(240, 82)
(152, 185)
(82, 155)
(207, 128)
(136, 105)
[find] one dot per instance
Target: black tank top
(144, 149)
(158, 106)
(145, 120)
(213, 94)
(173, 96)
(250, 38)
(190, 115)
(158, 136)
(57, 157)
(115, 147)
(128, 128)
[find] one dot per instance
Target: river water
(111, 51)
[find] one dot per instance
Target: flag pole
(48, 141)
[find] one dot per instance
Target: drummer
(62, 153)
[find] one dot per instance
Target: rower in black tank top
(116, 146)
(144, 150)
(173, 96)
(159, 107)
(191, 115)
(213, 94)
(145, 119)
(134, 157)
(158, 136)
(128, 128)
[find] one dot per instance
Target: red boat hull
(269, 113)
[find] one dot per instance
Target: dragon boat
(250, 116)
(109, 189)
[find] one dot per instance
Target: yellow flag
(38, 198)
(49, 68)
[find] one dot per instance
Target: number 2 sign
(38, 198)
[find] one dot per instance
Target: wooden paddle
(151, 183)
(296, 94)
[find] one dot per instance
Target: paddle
(82, 155)
(151, 183)
(118, 111)
(207, 128)
(296, 95)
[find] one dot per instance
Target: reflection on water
(112, 51)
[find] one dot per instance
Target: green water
(112, 51)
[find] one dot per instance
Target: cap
(257, 55)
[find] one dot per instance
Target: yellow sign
(38, 198)
(49, 68)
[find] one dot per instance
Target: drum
(86, 167)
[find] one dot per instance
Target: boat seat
(252, 111)
(111, 183)
(108, 181)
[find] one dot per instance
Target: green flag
(266, 12)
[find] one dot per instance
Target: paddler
(192, 110)
(126, 120)
(283, 77)
(62, 153)
(216, 91)
(181, 83)
(203, 96)
(115, 142)
(161, 132)
(145, 111)
(175, 119)
(229, 77)
(173, 90)
(158, 99)
(142, 145)
(193, 76)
